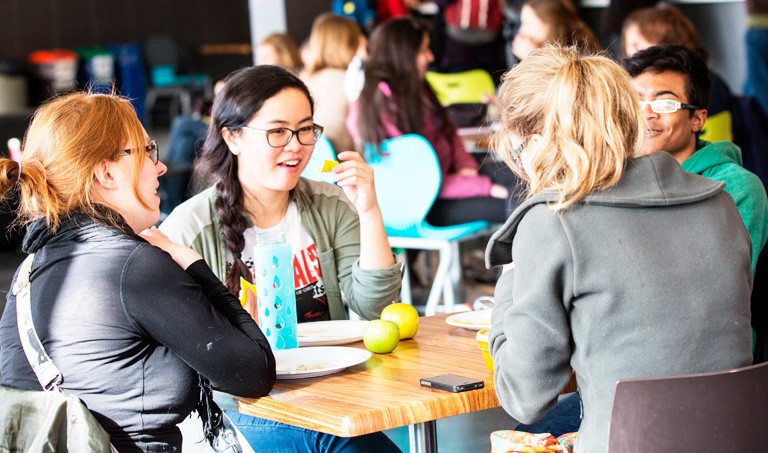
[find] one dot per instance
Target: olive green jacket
(48, 421)
(332, 222)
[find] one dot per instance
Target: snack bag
(511, 441)
(568, 440)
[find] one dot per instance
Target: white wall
(266, 17)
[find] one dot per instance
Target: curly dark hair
(243, 95)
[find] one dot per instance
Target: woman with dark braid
(260, 138)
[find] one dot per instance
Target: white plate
(330, 333)
(473, 320)
(302, 363)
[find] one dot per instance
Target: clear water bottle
(276, 299)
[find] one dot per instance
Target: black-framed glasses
(281, 136)
(516, 152)
(152, 152)
(667, 105)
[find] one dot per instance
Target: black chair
(714, 412)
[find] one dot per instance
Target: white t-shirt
(311, 301)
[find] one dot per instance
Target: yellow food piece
(328, 165)
(246, 286)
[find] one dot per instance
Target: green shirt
(721, 161)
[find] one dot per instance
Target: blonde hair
(333, 42)
(67, 138)
(586, 111)
(285, 46)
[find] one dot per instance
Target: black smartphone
(452, 383)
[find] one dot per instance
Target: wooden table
(476, 138)
(384, 391)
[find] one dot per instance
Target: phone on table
(452, 383)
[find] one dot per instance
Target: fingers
(153, 232)
(352, 170)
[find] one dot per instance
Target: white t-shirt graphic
(311, 301)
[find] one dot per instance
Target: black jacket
(128, 328)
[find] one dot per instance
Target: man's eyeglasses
(281, 136)
(667, 106)
(151, 149)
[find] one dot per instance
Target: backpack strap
(47, 374)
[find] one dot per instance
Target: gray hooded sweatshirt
(651, 277)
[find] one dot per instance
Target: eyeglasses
(666, 106)
(151, 149)
(281, 136)
(516, 153)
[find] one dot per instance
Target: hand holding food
(356, 178)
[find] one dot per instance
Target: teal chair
(323, 151)
(407, 177)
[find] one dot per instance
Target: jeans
(564, 418)
(756, 83)
(269, 436)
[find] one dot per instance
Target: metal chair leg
(405, 290)
(438, 284)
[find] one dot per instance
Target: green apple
(381, 336)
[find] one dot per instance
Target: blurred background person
(333, 43)
(184, 142)
(279, 49)
(612, 19)
(397, 100)
(552, 22)
(756, 46)
(471, 37)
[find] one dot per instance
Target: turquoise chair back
(407, 178)
(323, 151)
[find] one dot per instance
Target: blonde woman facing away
(609, 261)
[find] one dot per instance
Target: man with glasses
(673, 88)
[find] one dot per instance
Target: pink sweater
(450, 153)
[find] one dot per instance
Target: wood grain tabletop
(384, 391)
